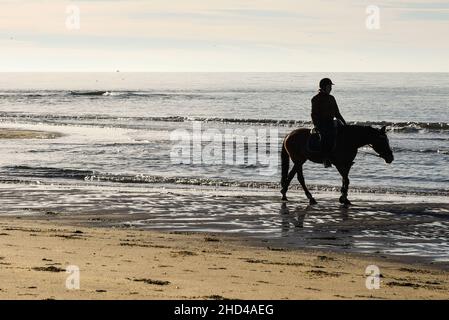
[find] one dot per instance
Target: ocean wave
(92, 176)
(165, 95)
(421, 150)
(406, 127)
(48, 172)
(89, 93)
(213, 182)
(141, 94)
(28, 95)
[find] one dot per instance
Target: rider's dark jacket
(324, 109)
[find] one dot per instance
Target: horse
(348, 140)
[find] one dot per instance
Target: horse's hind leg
(304, 187)
(287, 181)
(344, 171)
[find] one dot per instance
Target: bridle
(380, 155)
(371, 153)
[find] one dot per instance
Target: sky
(224, 35)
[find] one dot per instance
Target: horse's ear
(383, 129)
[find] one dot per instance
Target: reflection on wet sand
(375, 224)
(291, 218)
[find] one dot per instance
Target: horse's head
(381, 145)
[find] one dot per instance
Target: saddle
(314, 141)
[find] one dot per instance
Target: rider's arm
(315, 113)
(338, 114)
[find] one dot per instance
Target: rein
(370, 153)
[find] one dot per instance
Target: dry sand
(133, 264)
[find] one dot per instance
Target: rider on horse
(296, 144)
(324, 110)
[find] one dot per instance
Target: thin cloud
(225, 35)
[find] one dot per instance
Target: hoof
(284, 192)
(345, 201)
(312, 201)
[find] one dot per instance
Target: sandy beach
(47, 230)
(116, 262)
(10, 133)
(132, 264)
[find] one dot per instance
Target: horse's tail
(285, 164)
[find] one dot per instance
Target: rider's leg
(326, 144)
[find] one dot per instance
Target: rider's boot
(327, 163)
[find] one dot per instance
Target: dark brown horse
(349, 139)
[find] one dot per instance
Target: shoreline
(134, 264)
(371, 227)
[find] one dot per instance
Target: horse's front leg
(344, 172)
(285, 183)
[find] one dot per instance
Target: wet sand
(132, 264)
(408, 228)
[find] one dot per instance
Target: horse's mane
(359, 129)
(359, 134)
